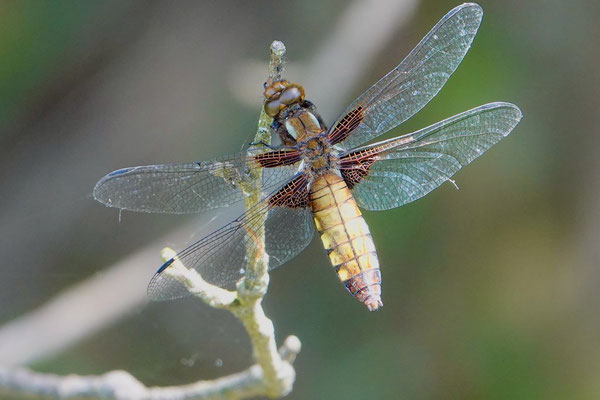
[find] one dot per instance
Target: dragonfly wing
(413, 83)
(398, 171)
(223, 257)
(185, 188)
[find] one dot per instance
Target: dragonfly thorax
(294, 118)
(316, 154)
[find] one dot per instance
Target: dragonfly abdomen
(347, 239)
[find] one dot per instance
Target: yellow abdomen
(347, 239)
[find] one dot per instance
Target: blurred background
(490, 292)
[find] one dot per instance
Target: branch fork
(273, 374)
(246, 302)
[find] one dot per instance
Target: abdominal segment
(347, 239)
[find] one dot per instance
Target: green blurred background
(490, 292)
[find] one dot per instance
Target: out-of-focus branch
(66, 319)
(122, 385)
(340, 60)
(272, 375)
(36, 335)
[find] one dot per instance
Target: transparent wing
(222, 257)
(413, 83)
(395, 172)
(185, 188)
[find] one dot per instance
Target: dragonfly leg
(268, 145)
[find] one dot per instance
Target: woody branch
(273, 374)
(348, 51)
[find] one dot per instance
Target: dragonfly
(319, 178)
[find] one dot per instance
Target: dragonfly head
(280, 94)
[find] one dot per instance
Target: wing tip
(152, 291)
(163, 287)
(166, 265)
(517, 110)
(518, 114)
(120, 171)
(515, 113)
(473, 10)
(476, 9)
(475, 6)
(99, 191)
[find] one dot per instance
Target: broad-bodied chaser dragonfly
(319, 177)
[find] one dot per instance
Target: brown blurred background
(490, 292)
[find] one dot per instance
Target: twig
(35, 335)
(246, 302)
(278, 377)
(340, 60)
(272, 375)
(122, 385)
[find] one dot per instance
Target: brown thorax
(316, 154)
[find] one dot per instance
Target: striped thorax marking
(303, 126)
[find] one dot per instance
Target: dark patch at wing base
(186, 187)
(346, 125)
(278, 158)
(221, 258)
(410, 166)
(352, 176)
(417, 79)
(355, 166)
(292, 195)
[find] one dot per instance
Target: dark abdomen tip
(366, 287)
(374, 304)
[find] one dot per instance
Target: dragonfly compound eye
(291, 95)
(272, 108)
(274, 90)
